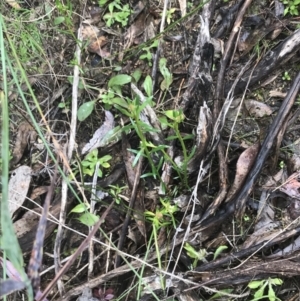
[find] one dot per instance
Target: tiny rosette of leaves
(90, 161)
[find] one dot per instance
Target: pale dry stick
(92, 209)
(64, 193)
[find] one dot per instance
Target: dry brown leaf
(26, 135)
(96, 42)
(128, 158)
(89, 32)
(96, 45)
(27, 222)
(38, 191)
(18, 187)
(292, 186)
(243, 167)
(13, 4)
(135, 30)
(258, 109)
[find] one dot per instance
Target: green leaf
(137, 75)
(105, 165)
(175, 115)
(100, 173)
(255, 284)
(88, 171)
(88, 219)
(260, 292)
(166, 74)
(286, 10)
(85, 110)
(120, 101)
(102, 2)
(105, 158)
(59, 20)
(119, 80)
(148, 85)
(79, 208)
(219, 251)
(271, 293)
(276, 281)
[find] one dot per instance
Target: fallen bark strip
(199, 85)
(273, 60)
(218, 99)
(251, 271)
(237, 256)
(237, 204)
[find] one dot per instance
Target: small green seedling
(90, 161)
(261, 285)
(291, 7)
(286, 76)
(87, 218)
(201, 254)
(170, 15)
(196, 255)
(147, 55)
(118, 13)
(115, 191)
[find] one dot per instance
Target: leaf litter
(239, 188)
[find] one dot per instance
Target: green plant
(115, 191)
(286, 76)
(87, 218)
(133, 109)
(168, 78)
(196, 255)
(118, 12)
(201, 254)
(169, 14)
(65, 11)
(261, 285)
(172, 119)
(147, 55)
(163, 216)
(291, 7)
(91, 159)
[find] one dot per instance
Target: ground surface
(176, 130)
